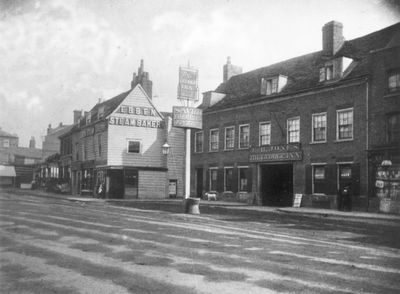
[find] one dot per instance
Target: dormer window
(88, 118)
(326, 73)
(272, 85)
(394, 81)
(100, 113)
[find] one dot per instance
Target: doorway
(277, 184)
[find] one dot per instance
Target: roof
(23, 152)
(303, 71)
(111, 104)
(5, 134)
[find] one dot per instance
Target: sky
(57, 56)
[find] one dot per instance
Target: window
(394, 81)
(133, 146)
(99, 144)
(213, 179)
(243, 179)
(77, 151)
(345, 124)
(319, 179)
(244, 136)
(326, 73)
(269, 86)
(228, 178)
(265, 133)
(293, 130)
(6, 143)
(393, 128)
(229, 138)
(319, 127)
(88, 118)
(214, 139)
(198, 138)
(84, 151)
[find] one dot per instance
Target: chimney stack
(230, 70)
(32, 143)
(332, 37)
(77, 115)
(49, 129)
(143, 79)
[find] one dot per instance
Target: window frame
(133, 140)
(396, 74)
(240, 136)
(246, 168)
(314, 166)
(210, 149)
(260, 136)
(338, 112)
(211, 170)
(313, 127)
(288, 131)
(195, 142)
(389, 130)
(225, 138)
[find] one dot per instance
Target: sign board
(187, 117)
(297, 200)
(289, 152)
(187, 87)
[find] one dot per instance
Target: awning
(7, 171)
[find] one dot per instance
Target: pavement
(305, 211)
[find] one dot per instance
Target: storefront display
(387, 186)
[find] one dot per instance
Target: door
(199, 182)
(277, 184)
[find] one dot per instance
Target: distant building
(51, 142)
(8, 140)
(312, 125)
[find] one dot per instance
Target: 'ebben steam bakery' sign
(135, 122)
(276, 153)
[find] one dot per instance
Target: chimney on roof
(49, 129)
(230, 70)
(143, 79)
(32, 143)
(332, 37)
(77, 115)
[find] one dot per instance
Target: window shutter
(355, 174)
(235, 180)
(207, 185)
(249, 179)
(220, 180)
(308, 179)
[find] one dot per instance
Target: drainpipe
(367, 136)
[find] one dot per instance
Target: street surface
(51, 245)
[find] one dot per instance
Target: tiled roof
(5, 134)
(111, 104)
(303, 71)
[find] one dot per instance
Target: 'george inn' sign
(276, 153)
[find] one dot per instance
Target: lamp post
(165, 148)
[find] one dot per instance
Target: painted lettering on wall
(145, 111)
(276, 153)
(133, 122)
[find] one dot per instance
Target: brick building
(311, 125)
(118, 146)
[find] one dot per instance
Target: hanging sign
(187, 117)
(188, 88)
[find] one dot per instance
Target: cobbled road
(53, 245)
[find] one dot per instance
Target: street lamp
(165, 148)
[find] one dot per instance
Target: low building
(115, 150)
(309, 125)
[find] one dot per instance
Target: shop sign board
(297, 200)
(128, 111)
(289, 152)
(187, 87)
(187, 117)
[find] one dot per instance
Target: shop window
(393, 128)
(229, 138)
(319, 127)
(318, 179)
(214, 140)
(244, 136)
(198, 138)
(265, 133)
(345, 124)
(133, 146)
(293, 130)
(213, 179)
(243, 179)
(228, 179)
(394, 81)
